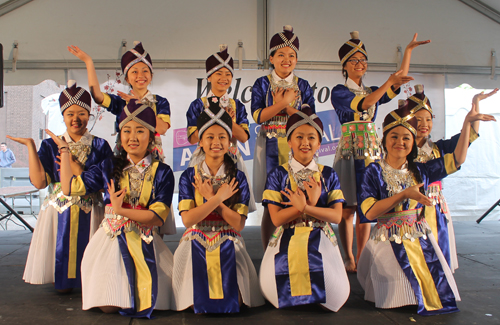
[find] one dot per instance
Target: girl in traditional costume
(137, 67)
(213, 272)
(402, 263)
(275, 98)
(219, 67)
(302, 263)
(127, 267)
(442, 225)
(356, 106)
(65, 224)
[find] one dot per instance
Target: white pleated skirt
(383, 280)
(336, 282)
(40, 264)
(182, 281)
(104, 278)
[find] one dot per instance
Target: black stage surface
(478, 280)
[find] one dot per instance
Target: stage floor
(478, 280)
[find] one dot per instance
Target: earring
(316, 156)
(290, 156)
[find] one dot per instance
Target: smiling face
(139, 76)
(135, 139)
(284, 61)
(355, 71)
(424, 128)
(398, 143)
(76, 119)
(215, 141)
(220, 81)
(304, 141)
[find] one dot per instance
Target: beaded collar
(137, 173)
(220, 177)
(426, 153)
(80, 149)
(397, 179)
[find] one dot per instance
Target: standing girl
(127, 267)
(356, 106)
(302, 264)
(441, 225)
(219, 67)
(402, 263)
(275, 98)
(212, 270)
(137, 68)
(65, 224)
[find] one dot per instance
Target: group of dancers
(100, 227)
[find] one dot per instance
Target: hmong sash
(299, 267)
(114, 224)
(73, 232)
(139, 259)
(215, 284)
(398, 226)
(418, 260)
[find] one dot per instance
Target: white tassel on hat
(222, 47)
(355, 34)
(419, 89)
(288, 28)
(71, 83)
(136, 43)
(401, 103)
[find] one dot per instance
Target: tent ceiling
(489, 8)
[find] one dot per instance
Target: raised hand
(126, 97)
(116, 198)
(75, 50)
(227, 190)
(474, 115)
(278, 95)
(60, 142)
(297, 199)
(25, 141)
(414, 43)
(482, 95)
(397, 79)
(313, 190)
(205, 188)
(413, 193)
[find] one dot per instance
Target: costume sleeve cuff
(335, 196)
(191, 130)
(186, 205)
(161, 210)
(449, 163)
(273, 196)
(165, 118)
(106, 102)
(391, 93)
(473, 135)
(242, 209)
(367, 205)
(256, 115)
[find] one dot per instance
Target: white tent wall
(193, 29)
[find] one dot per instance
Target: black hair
(231, 171)
(3, 143)
(120, 161)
